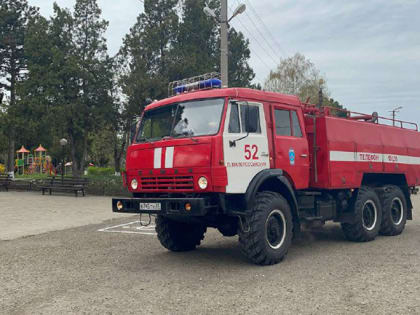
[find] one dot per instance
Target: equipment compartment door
(245, 153)
(290, 144)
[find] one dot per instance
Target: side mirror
(133, 131)
(252, 119)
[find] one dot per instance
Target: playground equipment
(20, 163)
(40, 158)
(40, 162)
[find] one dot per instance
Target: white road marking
(130, 232)
(134, 226)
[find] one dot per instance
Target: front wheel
(178, 236)
(270, 230)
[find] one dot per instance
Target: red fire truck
(261, 164)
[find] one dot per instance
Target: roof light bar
(200, 85)
(202, 82)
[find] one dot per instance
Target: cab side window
(297, 132)
(238, 116)
(254, 114)
(287, 123)
(234, 123)
(282, 120)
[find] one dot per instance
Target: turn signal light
(188, 206)
(120, 205)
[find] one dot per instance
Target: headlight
(202, 182)
(134, 184)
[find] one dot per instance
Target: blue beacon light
(205, 84)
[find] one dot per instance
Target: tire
(367, 217)
(179, 236)
(270, 230)
(394, 211)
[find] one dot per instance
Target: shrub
(100, 171)
(2, 169)
(107, 186)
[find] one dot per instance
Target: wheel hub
(275, 227)
(369, 215)
(397, 211)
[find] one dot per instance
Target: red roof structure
(40, 149)
(23, 150)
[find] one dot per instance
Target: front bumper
(168, 206)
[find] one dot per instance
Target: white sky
(369, 51)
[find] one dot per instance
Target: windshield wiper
(142, 139)
(187, 135)
(145, 140)
(190, 136)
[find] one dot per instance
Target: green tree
(93, 75)
(296, 75)
(146, 51)
(195, 50)
(240, 72)
(3, 137)
(78, 76)
(33, 122)
(142, 68)
(299, 76)
(67, 92)
(14, 18)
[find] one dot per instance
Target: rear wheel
(179, 236)
(270, 230)
(394, 208)
(367, 217)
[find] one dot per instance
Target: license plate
(152, 206)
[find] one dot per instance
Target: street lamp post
(224, 44)
(63, 143)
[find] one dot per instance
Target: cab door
(290, 144)
(246, 152)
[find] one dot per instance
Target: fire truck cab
(258, 164)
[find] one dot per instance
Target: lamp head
(63, 142)
(209, 12)
(240, 9)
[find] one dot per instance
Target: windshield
(195, 118)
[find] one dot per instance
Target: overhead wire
(257, 41)
(267, 29)
(253, 52)
(273, 51)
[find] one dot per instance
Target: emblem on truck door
(292, 156)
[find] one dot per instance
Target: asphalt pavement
(67, 259)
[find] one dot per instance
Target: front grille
(184, 183)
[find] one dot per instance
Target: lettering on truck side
(369, 157)
(246, 164)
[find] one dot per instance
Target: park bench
(22, 184)
(5, 181)
(67, 184)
